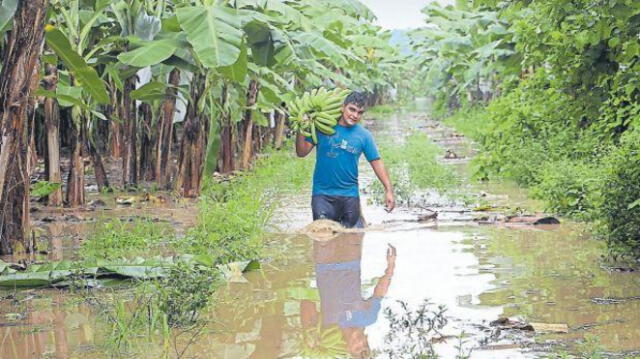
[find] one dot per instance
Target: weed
(569, 187)
(471, 122)
(157, 308)
(117, 238)
(543, 139)
(130, 320)
(234, 214)
(412, 167)
(619, 207)
(410, 332)
(462, 352)
(184, 292)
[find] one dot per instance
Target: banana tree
(463, 49)
(79, 85)
(19, 63)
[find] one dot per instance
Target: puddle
(326, 299)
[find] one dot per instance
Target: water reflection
(52, 332)
(339, 322)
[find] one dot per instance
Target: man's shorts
(344, 210)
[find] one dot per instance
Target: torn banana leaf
(64, 273)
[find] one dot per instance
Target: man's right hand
(303, 147)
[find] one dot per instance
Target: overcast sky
(399, 14)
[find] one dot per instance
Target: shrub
(569, 188)
(620, 207)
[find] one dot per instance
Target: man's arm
(303, 147)
(381, 173)
(308, 313)
(383, 283)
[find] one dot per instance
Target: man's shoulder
(363, 131)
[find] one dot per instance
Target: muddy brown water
(338, 290)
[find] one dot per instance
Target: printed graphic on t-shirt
(336, 142)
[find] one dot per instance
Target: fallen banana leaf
(6, 267)
(66, 273)
(233, 271)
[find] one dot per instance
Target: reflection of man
(339, 284)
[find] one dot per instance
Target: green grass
(471, 122)
(232, 219)
(234, 215)
(117, 238)
(413, 166)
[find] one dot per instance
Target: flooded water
(340, 297)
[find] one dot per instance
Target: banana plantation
(157, 200)
(173, 90)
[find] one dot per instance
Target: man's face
(357, 344)
(352, 113)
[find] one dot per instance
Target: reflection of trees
(46, 332)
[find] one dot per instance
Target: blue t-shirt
(340, 296)
(337, 156)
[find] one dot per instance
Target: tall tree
(52, 124)
(165, 131)
(21, 56)
(194, 143)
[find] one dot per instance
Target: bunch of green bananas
(318, 110)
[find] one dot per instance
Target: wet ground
(329, 297)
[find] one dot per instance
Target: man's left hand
(390, 201)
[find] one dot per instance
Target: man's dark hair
(357, 98)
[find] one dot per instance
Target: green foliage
(44, 188)
(151, 52)
(411, 331)
(117, 238)
(462, 50)
(413, 167)
(83, 73)
(380, 111)
(565, 128)
(619, 210)
(130, 320)
(234, 214)
(214, 32)
(184, 292)
(175, 301)
(8, 9)
(533, 135)
(471, 122)
(570, 187)
(91, 272)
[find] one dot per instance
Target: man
(335, 179)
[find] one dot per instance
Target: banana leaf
(6, 267)
(151, 52)
(214, 32)
(84, 74)
(7, 10)
(65, 273)
(152, 91)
